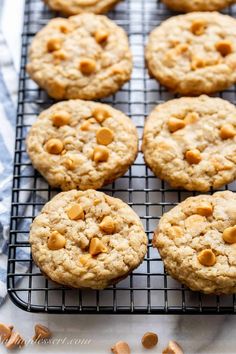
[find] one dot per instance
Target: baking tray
(149, 289)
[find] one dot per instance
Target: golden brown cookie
(74, 7)
(191, 142)
(197, 242)
(194, 53)
(85, 56)
(87, 239)
(82, 144)
(198, 5)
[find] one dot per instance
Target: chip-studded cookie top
(197, 242)
(191, 142)
(85, 56)
(74, 7)
(82, 144)
(194, 53)
(87, 239)
(198, 5)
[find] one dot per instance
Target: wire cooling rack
(148, 290)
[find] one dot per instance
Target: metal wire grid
(148, 289)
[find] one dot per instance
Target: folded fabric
(8, 104)
(8, 99)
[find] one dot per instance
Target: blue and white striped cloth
(8, 99)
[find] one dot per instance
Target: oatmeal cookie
(87, 239)
(81, 144)
(194, 53)
(191, 142)
(198, 5)
(85, 56)
(197, 242)
(74, 7)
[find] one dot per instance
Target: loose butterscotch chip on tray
(149, 340)
(173, 348)
(121, 348)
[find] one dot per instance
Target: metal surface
(148, 290)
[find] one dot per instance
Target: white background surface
(197, 334)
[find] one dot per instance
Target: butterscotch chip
(69, 164)
(100, 114)
(56, 241)
(175, 124)
(96, 247)
(121, 348)
(207, 258)
(197, 63)
(193, 156)
(84, 259)
(203, 259)
(60, 55)
(87, 66)
(227, 131)
(15, 341)
(100, 154)
(78, 144)
(5, 332)
(65, 28)
(175, 231)
(224, 47)
(222, 164)
(85, 125)
(181, 48)
(71, 7)
(198, 27)
(54, 146)
(101, 36)
(76, 212)
(205, 209)
(149, 340)
(41, 332)
(229, 235)
(107, 225)
(61, 118)
(96, 202)
(104, 136)
(191, 117)
(199, 69)
(173, 348)
(83, 67)
(54, 44)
